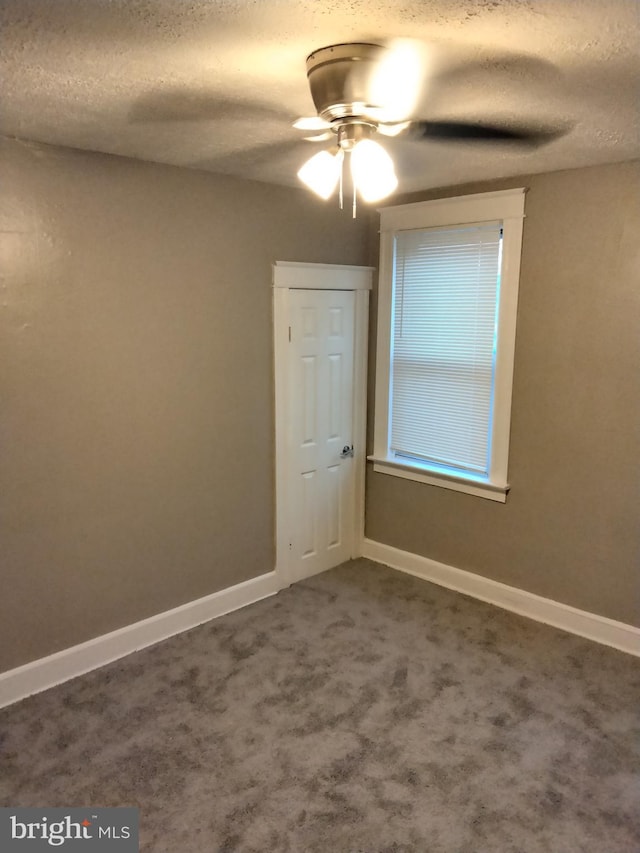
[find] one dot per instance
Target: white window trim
(506, 206)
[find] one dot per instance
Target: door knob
(346, 452)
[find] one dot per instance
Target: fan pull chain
(353, 180)
(340, 159)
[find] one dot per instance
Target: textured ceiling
(215, 85)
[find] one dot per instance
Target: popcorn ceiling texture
(216, 85)
(361, 710)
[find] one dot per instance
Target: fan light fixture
(322, 172)
(361, 89)
(346, 82)
(372, 171)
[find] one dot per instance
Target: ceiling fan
(363, 90)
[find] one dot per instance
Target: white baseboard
(619, 635)
(46, 672)
(16, 684)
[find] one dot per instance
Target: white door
(321, 466)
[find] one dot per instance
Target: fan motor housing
(340, 78)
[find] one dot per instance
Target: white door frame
(291, 275)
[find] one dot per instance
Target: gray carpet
(362, 710)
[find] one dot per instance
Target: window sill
(421, 474)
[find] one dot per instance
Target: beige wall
(570, 529)
(136, 379)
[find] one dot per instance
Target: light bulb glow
(397, 83)
(321, 173)
(372, 170)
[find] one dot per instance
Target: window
(447, 301)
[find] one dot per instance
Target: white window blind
(445, 297)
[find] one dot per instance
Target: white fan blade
(393, 129)
(319, 137)
(311, 123)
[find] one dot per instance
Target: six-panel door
(320, 424)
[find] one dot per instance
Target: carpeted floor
(362, 710)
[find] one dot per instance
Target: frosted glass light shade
(321, 173)
(372, 170)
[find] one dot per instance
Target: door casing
(290, 275)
